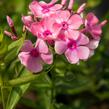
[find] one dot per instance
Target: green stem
(2, 95)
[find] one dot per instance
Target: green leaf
(13, 49)
(1, 37)
(17, 93)
(17, 44)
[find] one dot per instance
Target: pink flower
(34, 57)
(45, 29)
(69, 24)
(74, 50)
(93, 26)
(42, 9)
(27, 20)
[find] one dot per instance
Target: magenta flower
(74, 50)
(42, 9)
(34, 57)
(93, 26)
(69, 24)
(45, 29)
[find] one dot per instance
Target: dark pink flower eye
(72, 45)
(64, 25)
(34, 53)
(47, 33)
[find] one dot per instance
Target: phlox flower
(74, 50)
(93, 26)
(42, 9)
(45, 29)
(69, 24)
(34, 57)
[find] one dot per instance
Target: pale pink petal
(31, 63)
(41, 46)
(71, 3)
(83, 52)
(93, 44)
(42, 3)
(47, 58)
(27, 46)
(27, 20)
(83, 40)
(72, 56)
(63, 16)
(23, 57)
(36, 28)
(72, 34)
(48, 22)
(35, 8)
(92, 19)
(91, 53)
(56, 28)
(60, 47)
(75, 22)
(56, 7)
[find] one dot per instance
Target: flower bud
(10, 22)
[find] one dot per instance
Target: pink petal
(33, 64)
(83, 52)
(35, 8)
(83, 40)
(41, 46)
(96, 30)
(60, 47)
(42, 4)
(56, 28)
(48, 22)
(93, 44)
(92, 19)
(62, 16)
(72, 34)
(72, 56)
(27, 20)
(75, 22)
(56, 7)
(36, 28)
(27, 46)
(91, 53)
(47, 58)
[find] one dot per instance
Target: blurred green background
(84, 86)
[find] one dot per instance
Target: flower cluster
(67, 31)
